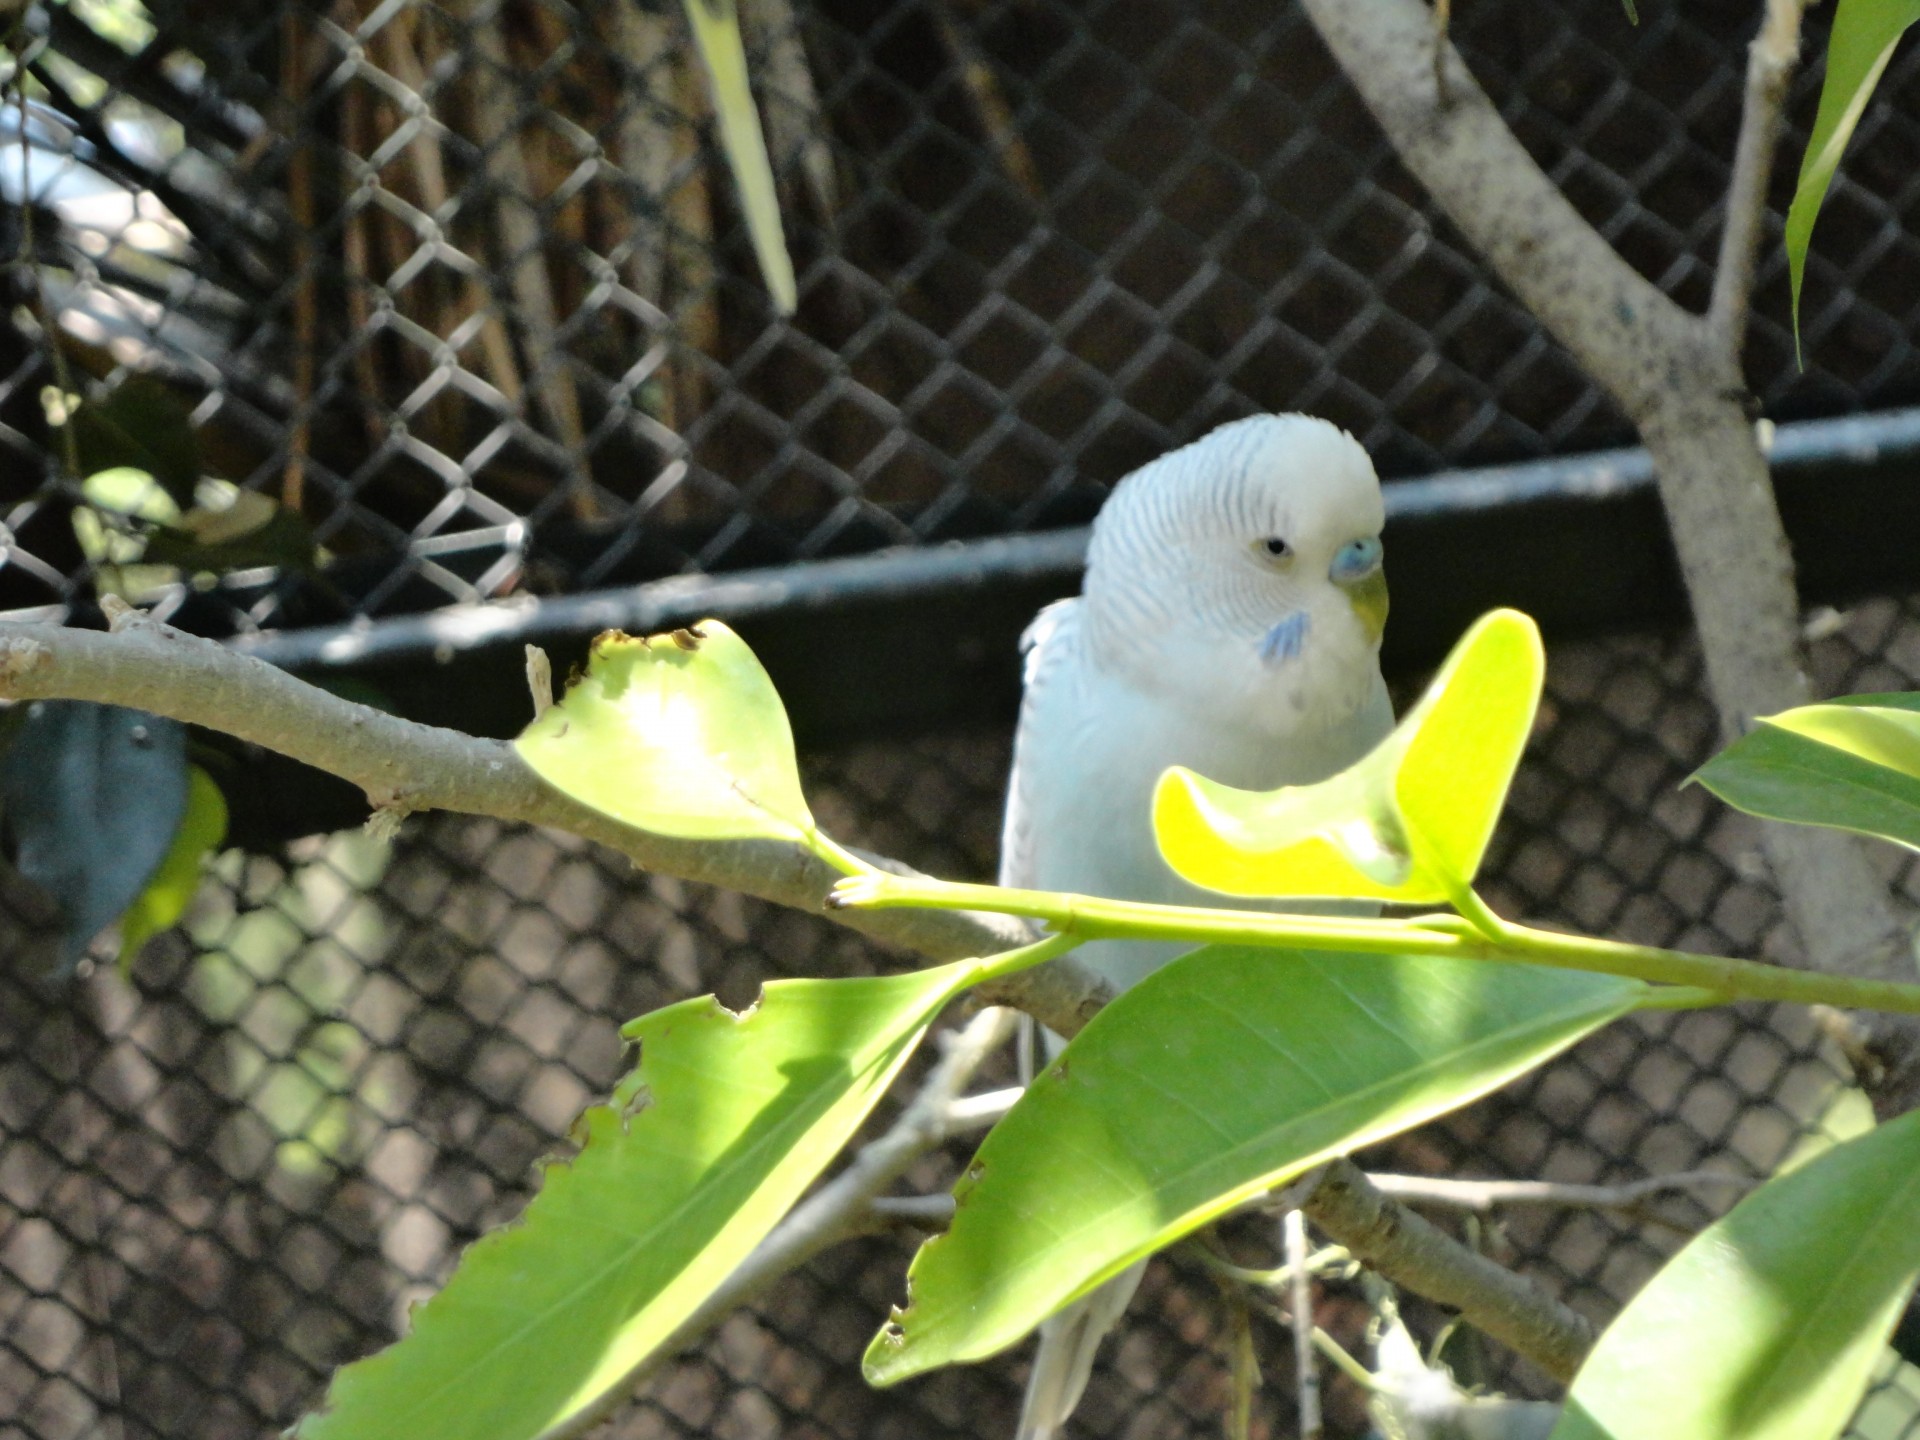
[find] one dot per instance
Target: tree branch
(1770, 61)
(404, 766)
(1414, 1255)
(1679, 383)
(407, 766)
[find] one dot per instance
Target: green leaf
(92, 796)
(140, 425)
(1851, 764)
(727, 1120)
(716, 34)
(1409, 822)
(1864, 34)
(1211, 1081)
(250, 531)
(679, 734)
(160, 906)
(1768, 1325)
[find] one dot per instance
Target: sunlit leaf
(1769, 1324)
(251, 530)
(716, 34)
(727, 1120)
(1864, 34)
(172, 888)
(1208, 1083)
(1409, 822)
(92, 797)
(1851, 764)
(141, 425)
(679, 734)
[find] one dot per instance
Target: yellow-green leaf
(681, 734)
(1768, 1325)
(160, 906)
(1409, 822)
(726, 1122)
(716, 33)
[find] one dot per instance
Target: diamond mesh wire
(467, 287)
(233, 1173)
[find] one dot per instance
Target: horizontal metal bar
(1863, 441)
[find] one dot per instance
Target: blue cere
(1356, 560)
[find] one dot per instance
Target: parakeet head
(1245, 569)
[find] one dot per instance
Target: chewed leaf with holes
(1409, 822)
(681, 734)
(1771, 1321)
(727, 1120)
(1851, 764)
(1213, 1080)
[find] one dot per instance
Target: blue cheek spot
(1285, 640)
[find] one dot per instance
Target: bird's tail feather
(1064, 1361)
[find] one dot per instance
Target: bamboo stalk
(522, 245)
(295, 73)
(357, 135)
(401, 59)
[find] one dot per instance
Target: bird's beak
(1368, 596)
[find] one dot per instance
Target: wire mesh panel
(237, 1171)
(461, 297)
(466, 291)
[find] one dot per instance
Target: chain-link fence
(236, 1172)
(466, 287)
(461, 293)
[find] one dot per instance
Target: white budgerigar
(1229, 621)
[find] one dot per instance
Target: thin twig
(1770, 61)
(1484, 1195)
(1415, 1256)
(990, 108)
(357, 137)
(797, 127)
(1306, 1374)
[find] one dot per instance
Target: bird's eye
(1274, 548)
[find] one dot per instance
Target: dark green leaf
(92, 796)
(1864, 34)
(253, 531)
(140, 425)
(1852, 764)
(1768, 1325)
